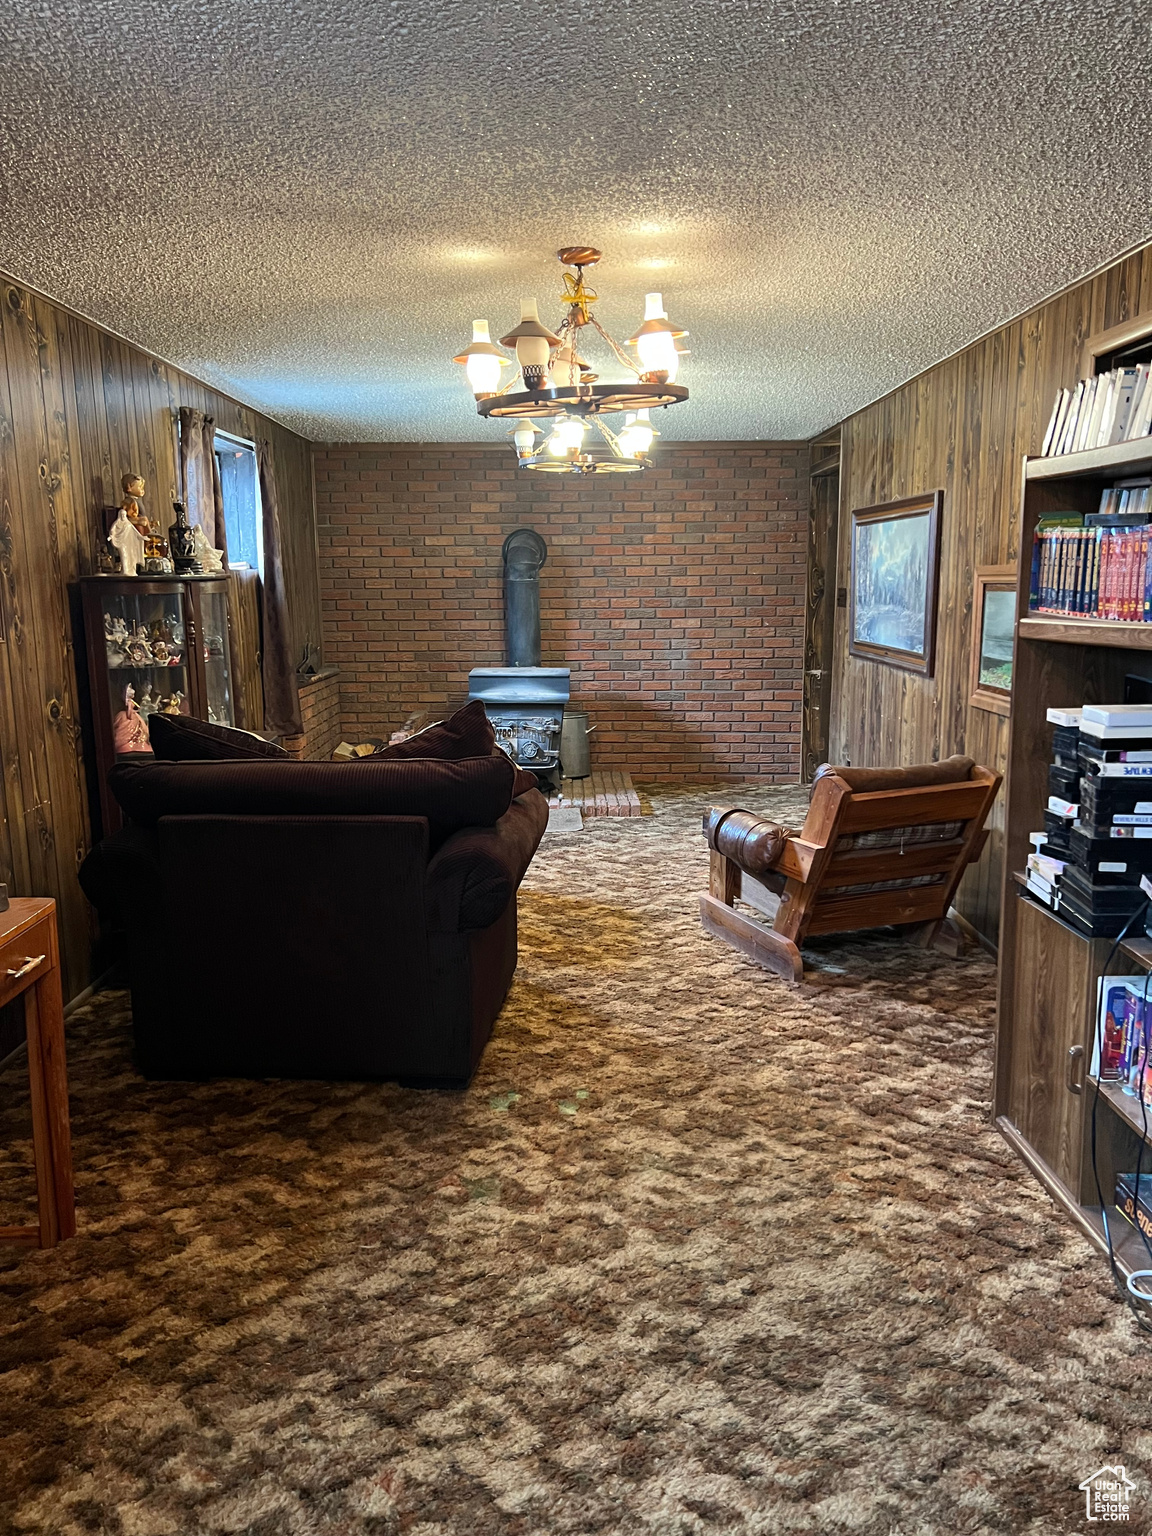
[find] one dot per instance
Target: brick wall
(320, 714)
(320, 717)
(676, 595)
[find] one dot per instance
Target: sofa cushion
(467, 733)
(182, 739)
(474, 792)
(524, 781)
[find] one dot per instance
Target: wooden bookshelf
(1126, 1106)
(1127, 1246)
(1138, 949)
(1119, 461)
(1049, 972)
(1062, 629)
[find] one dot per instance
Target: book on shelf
(1116, 714)
(1134, 1202)
(1099, 572)
(1041, 890)
(1113, 407)
(1116, 999)
(1092, 751)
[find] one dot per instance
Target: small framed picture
(893, 582)
(993, 630)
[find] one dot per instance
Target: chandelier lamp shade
(554, 396)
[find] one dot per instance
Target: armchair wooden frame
(817, 885)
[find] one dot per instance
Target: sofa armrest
(121, 872)
(477, 871)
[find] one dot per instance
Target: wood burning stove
(524, 701)
(526, 708)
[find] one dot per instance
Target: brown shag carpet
(696, 1252)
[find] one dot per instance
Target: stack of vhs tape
(1098, 823)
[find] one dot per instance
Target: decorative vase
(182, 543)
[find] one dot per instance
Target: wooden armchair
(878, 846)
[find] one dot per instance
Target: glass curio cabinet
(155, 644)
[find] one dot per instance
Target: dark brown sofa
(328, 920)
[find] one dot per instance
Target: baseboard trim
(974, 934)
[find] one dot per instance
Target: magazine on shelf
(1108, 408)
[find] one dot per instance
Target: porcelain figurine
(128, 542)
(137, 648)
(132, 486)
(172, 706)
(129, 728)
(115, 634)
(210, 559)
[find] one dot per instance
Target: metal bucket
(574, 759)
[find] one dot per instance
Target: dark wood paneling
(963, 427)
(78, 409)
(820, 604)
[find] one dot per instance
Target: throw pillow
(181, 739)
(467, 733)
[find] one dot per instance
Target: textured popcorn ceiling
(307, 204)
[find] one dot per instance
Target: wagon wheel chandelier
(552, 382)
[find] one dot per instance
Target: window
(243, 517)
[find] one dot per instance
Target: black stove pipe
(524, 553)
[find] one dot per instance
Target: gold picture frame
(993, 634)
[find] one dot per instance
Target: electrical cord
(1135, 1299)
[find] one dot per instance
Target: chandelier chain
(621, 355)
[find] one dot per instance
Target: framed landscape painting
(893, 582)
(993, 629)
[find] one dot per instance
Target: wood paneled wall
(964, 427)
(78, 409)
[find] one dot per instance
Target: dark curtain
(281, 700)
(200, 477)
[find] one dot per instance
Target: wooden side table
(30, 967)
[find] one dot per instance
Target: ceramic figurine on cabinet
(137, 648)
(172, 705)
(115, 634)
(105, 559)
(147, 703)
(128, 543)
(129, 728)
(210, 559)
(132, 486)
